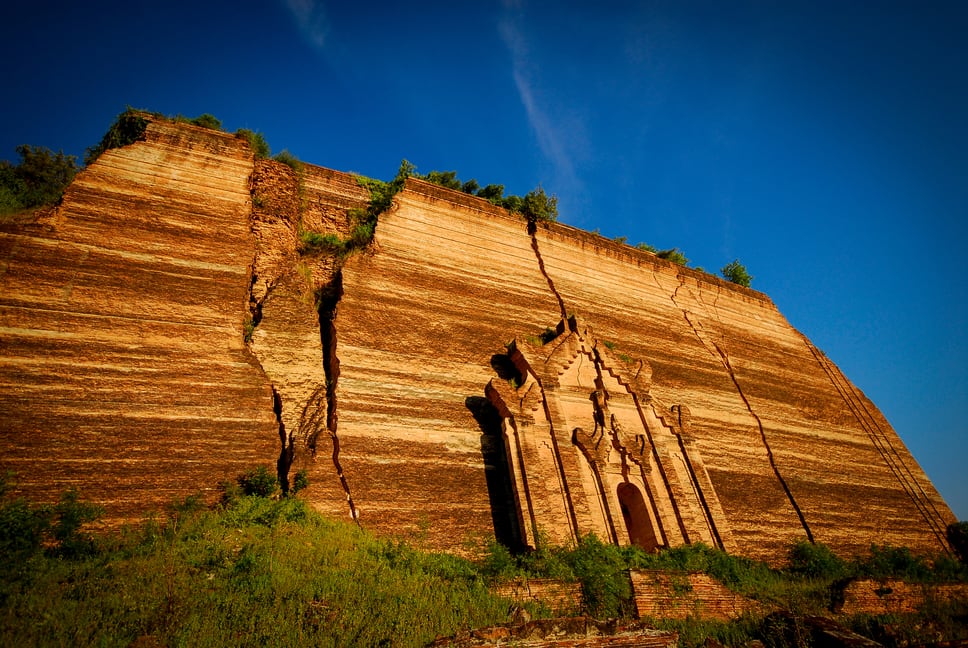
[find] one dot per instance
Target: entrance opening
(636, 517)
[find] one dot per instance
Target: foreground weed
(258, 572)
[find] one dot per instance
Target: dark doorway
(497, 473)
(636, 515)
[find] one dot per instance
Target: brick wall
(559, 596)
(891, 597)
(677, 596)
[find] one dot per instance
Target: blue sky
(821, 143)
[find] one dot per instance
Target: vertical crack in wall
(769, 451)
(882, 444)
(569, 324)
(287, 449)
(532, 231)
(266, 213)
(720, 354)
(327, 303)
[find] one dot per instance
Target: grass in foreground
(259, 572)
(271, 572)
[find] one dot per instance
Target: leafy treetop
(736, 272)
(128, 128)
(673, 255)
(536, 205)
(40, 178)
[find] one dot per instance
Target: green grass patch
(257, 572)
(315, 242)
(291, 161)
(808, 585)
(257, 142)
(265, 569)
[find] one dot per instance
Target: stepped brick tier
(467, 376)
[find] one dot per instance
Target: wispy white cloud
(310, 16)
(551, 139)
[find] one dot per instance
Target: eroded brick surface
(125, 371)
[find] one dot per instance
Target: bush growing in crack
(300, 481)
(261, 482)
(363, 221)
(313, 242)
(539, 206)
(291, 161)
(543, 338)
(257, 142)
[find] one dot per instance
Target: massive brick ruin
(465, 377)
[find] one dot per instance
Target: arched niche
(636, 516)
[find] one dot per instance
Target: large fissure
(766, 444)
(568, 324)
(328, 299)
(719, 352)
(533, 232)
(287, 448)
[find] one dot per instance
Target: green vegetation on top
(205, 120)
(257, 142)
(736, 272)
(290, 160)
(535, 206)
(673, 255)
(42, 176)
(128, 128)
